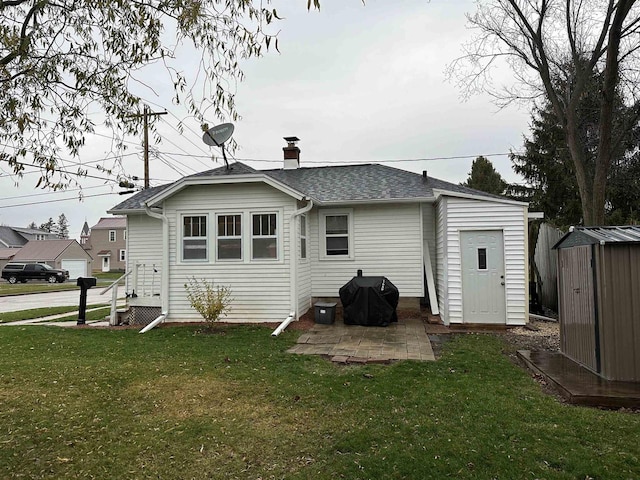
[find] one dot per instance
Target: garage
(76, 268)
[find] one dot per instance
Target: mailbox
(85, 283)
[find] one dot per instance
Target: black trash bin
(325, 313)
(369, 301)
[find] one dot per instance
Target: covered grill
(369, 301)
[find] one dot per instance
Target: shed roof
(330, 185)
(43, 250)
(599, 235)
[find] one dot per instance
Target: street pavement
(52, 299)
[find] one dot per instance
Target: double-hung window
(264, 236)
(123, 255)
(337, 231)
(194, 237)
(303, 236)
(229, 243)
(112, 235)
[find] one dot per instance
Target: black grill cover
(369, 301)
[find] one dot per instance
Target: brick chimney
(291, 153)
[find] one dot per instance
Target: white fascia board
(535, 215)
(439, 192)
(250, 178)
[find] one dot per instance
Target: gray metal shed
(599, 299)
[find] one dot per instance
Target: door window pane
(482, 259)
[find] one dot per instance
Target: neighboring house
(16, 237)
(6, 254)
(107, 241)
(62, 253)
(283, 238)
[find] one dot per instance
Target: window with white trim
(124, 234)
(123, 255)
(194, 237)
(336, 234)
(264, 236)
(112, 235)
(229, 237)
(303, 236)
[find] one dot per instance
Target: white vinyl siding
(304, 268)
(144, 250)
(466, 214)
(260, 289)
(441, 255)
(386, 241)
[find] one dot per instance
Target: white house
(282, 238)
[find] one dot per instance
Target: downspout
(164, 291)
(293, 269)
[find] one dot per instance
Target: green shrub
(209, 300)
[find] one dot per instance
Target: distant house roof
(8, 253)
(85, 229)
(325, 185)
(43, 250)
(599, 235)
(110, 222)
(10, 238)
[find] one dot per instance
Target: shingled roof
(331, 185)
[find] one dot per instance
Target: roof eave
(376, 201)
(216, 180)
(437, 192)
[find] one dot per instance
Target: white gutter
(293, 269)
(164, 291)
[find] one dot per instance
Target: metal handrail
(115, 283)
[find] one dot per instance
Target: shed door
(577, 305)
(483, 295)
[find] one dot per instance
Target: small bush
(209, 300)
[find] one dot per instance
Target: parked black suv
(21, 272)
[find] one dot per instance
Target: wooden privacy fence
(546, 260)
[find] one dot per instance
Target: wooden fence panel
(547, 263)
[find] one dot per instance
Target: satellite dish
(216, 136)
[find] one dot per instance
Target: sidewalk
(50, 320)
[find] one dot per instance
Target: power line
(57, 200)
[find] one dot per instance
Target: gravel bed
(537, 335)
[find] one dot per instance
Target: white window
(303, 236)
(112, 235)
(264, 236)
(337, 234)
(229, 237)
(194, 238)
(123, 255)
(124, 234)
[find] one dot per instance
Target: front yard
(174, 403)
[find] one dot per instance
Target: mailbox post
(85, 283)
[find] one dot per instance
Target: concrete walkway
(405, 340)
(50, 320)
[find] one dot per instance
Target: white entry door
(483, 293)
(106, 267)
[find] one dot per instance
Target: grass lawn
(35, 286)
(174, 403)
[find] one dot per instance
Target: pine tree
(485, 178)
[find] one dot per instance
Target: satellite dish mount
(216, 136)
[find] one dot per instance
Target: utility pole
(145, 121)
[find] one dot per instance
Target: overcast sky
(356, 84)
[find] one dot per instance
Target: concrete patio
(404, 340)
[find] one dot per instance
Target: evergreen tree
(48, 226)
(485, 178)
(63, 226)
(33, 226)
